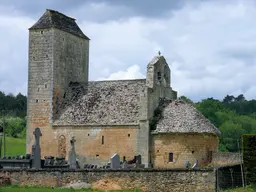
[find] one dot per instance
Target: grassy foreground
(246, 189)
(44, 189)
(14, 146)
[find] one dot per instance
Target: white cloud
(132, 72)
(13, 52)
(210, 48)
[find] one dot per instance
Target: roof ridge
(55, 19)
(62, 14)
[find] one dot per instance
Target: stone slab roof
(60, 21)
(101, 103)
(181, 117)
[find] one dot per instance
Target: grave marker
(72, 154)
(36, 150)
(115, 161)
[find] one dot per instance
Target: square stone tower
(58, 55)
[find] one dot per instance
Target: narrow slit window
(102, 140)
(45, 86)
(129, 135)
(170, 157)
(159, 75)
(209, 156)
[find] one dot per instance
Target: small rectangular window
(170, 157)
(102, 140)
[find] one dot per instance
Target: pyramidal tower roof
(55, 19)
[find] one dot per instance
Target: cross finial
(159, 53)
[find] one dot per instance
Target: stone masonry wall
(151, 180)
(96, 144)
(185, 147)
(55, 59)
(40, 78)
(225, 158)
(71, 62)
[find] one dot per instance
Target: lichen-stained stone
(147, 180)
(101, 103)
(181, 117)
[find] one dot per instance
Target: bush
(14, 126)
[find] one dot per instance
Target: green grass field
(14, 146)
(246, 189)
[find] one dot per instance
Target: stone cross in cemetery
(115, 161)
(36, 150)
(138, 161)
(72, 154)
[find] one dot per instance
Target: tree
(240, 98)
(228, 99)
(186, 99)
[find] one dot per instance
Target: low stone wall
(225, 158)
(155, 180)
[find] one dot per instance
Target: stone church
(128, 117)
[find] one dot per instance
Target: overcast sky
(210, 45)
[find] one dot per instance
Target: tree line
(11, 105)
(234, 116)
(13, 109)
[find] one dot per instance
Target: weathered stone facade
(185, 147)
(225, 158)
(96, 144)
(57, 55)
(105, 117)
(148, 180)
